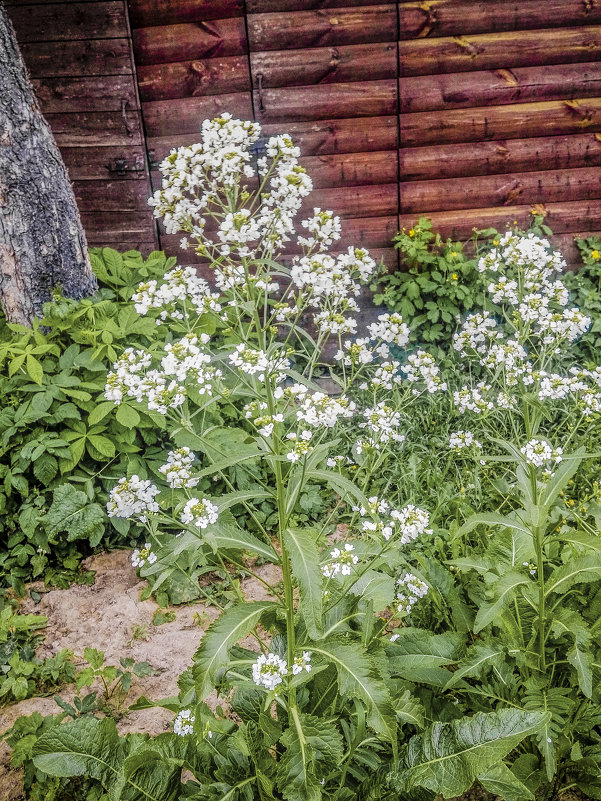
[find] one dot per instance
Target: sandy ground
(103, 616)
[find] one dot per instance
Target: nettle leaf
(72, 512)
(313, 747)
(448, 757)
(580, 570)
(45, 468)
(230, 627)
(358, 677)
(304, 557)
(503, 591)
(499, 780)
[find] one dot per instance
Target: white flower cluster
(200, 512)
(317, 409)
(177, 468)
(184, 723)
(539, 453)
(342, 561)
(422, 367)
(409, 590)
(269, 671)
(463, 439)
(411, 521)
(380, 518)
(323, 228)
(258, 364)
(480, 399)
(301, 445)
(181, 293)
(390, 328)
(133, 498)
(382, 423)
(386, 376)
(301, 663)
(141, 556)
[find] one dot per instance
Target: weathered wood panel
(77, 58)
(261, 6)
(93, 129)
(370, 62)
(511, 189)
(192, 78)
(146, 13)
(583, 215)
(93, 163)
(352, 169)
(355, 201)
(189, 41)
(99, 93)
(173, 117)
(499, 122)
(365, 99)
(497, 87)
(500, 156)
(113, 195)
(60, 21)
(321, 28)
(500, 50)
(104, 226)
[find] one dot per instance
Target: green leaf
(313, 748)
(448, 757)
(418, 655)
(99, 412)
(103, 445)
(304, 557)
(72, 512)
(375, 587)
(582, 659)
(580, 570)
(35, 369)
(127, 415)
(478, 658)
(230, 627)
(499, 780)
(223, 536)
(45, 468)
(502, 591)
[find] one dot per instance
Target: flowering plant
(321, 698)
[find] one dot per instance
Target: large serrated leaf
(502, 591)
(72, 512)
(304, 557)
(230, 627)
(448, 757)
(313, 747)
(500, 781)
(580, 570)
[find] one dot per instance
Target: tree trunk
(42, 243)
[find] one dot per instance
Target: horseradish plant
(310, 673)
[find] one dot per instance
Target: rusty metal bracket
(124, 116)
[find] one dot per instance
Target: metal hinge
(121, 166)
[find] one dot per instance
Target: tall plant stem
(538, 535)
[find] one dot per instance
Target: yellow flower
(455, 277)
(495, 241)
(595, 254)
(412, 232)
(571, 502)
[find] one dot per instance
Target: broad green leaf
(340, 485)
(580, 570)
(99, 412)
(45, 468)
(72, 512)
(448, 757)
(492, 519)
(376, 588)
(35, 369)
(222, 535)
(561, 477)
(578, 538)
(229, 499)
(502, 591)
(127, 415)
(499, 780)
(230, 627)
(103, 445)
(313, 748)
(478, 658)
(304, 557)
(358, 677)
(418, 655)
(582, 659)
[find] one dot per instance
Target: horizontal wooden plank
(322, 28)
(566, 245)
(60, 21)
(352, 169)
(482, 191)
(365, 99)
(95, 129)
(122, 245)
(459, 17)
(355, 201)
(261, 6)
(211, 76)
(92, 163)
(500, 50)
(371, 232)
(146, 13)
(77, 58)
(580, 215)
(495, 87)
(190, 41)
(112, 195)
(99, 93)
(185, 115)
(499, 122)
(366, 62)
(109, 226)
(500, 156)
(318, 138)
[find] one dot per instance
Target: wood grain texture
(77, 58)
(262, 6)
(499, 122)
(459, 17)
(326, 101)
(322, 27)
(146, 13)
(112, 195)
(496, 87)
(94, 129)
(190, 41)
(365, 62)
(582, 215)
(508, 189)
(500, 156)
(60, 21)
(211, 76)
(116, 227)
(352, 169)
(355, 201)
(500, 50)
(98, 93)
(92, 163)
(185, 115)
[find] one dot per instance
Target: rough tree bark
(42, 243)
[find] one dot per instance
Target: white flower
(145, 555)
(390, 328)
(176, 470)
(409, 590)
(184, 723)
(301, 447)
(422, 367)
(258, 363)
(269, 670)
(463, 439)
(537, 452)
(201, 513)
(301, 663)
(342, 561)
(382, 423)
(411, 522)
(133, 498)
(319, 409)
